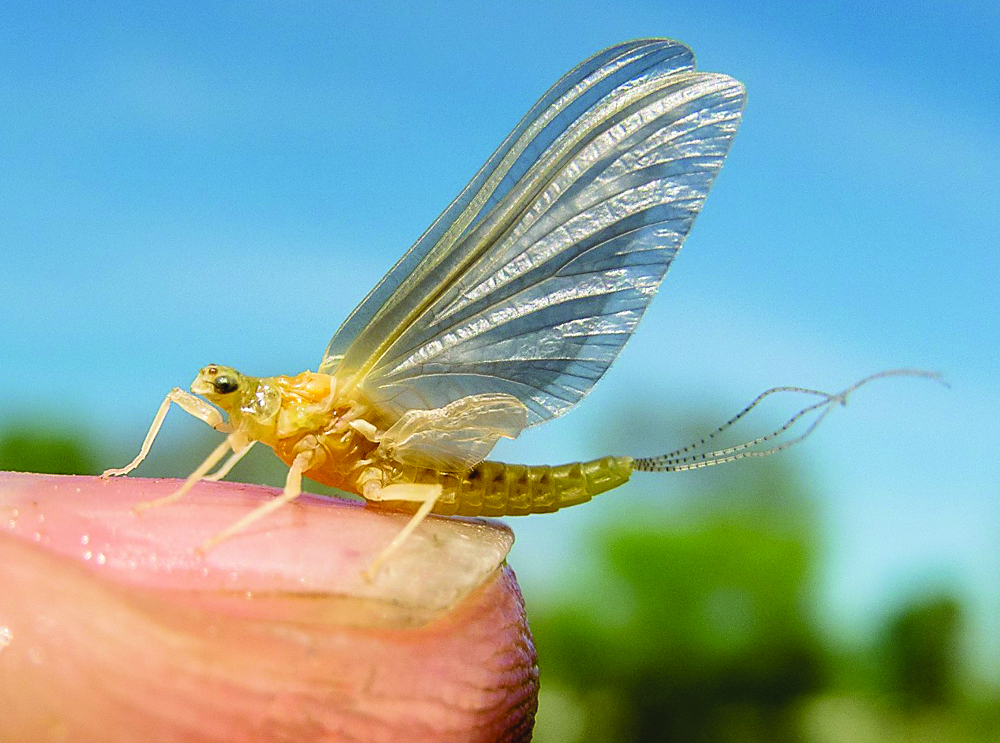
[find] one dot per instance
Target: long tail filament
(690, 458)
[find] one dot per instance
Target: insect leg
(293, 489)
(426, 495)
(228, 465)
(210, 461)
(189, 404)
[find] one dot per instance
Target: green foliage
(31, 448)
(921, 653)
(695, 633)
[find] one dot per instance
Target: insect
(505, 312)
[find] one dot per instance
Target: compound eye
(224, 384)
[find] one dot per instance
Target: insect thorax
(307, 411)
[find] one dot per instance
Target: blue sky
(190, 183)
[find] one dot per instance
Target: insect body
(506, 311)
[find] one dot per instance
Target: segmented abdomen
(498, 489)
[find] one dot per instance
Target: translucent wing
(394, 298)
(533, 279)
(457, 436)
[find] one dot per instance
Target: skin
(112, 628)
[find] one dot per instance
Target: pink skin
(112, 628)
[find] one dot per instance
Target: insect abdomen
(498, 489)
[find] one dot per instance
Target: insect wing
(532, 280)
(387, 309)
(457, 436)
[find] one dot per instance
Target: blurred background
(192, 183)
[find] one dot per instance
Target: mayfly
(505, 312)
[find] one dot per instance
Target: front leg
(189, 404)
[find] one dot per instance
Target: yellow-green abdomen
(498, 489)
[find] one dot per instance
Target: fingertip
(273, 627)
